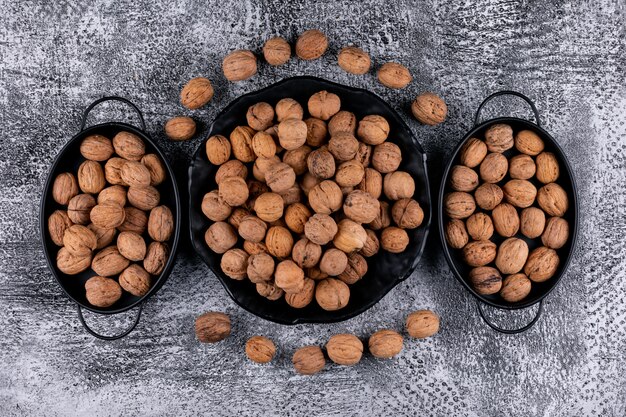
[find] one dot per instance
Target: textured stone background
(569, 56)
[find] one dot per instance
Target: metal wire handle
(507, 93)
(113, 337)
(510, 331)
(112, 98)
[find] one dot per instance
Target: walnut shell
(135, 174)
(220, 237)
(288, 108)
(485, 280)
(333, 262)
(260, 116)
(421, 324)
(131, 246)
(308, 360)
(532, 222)
(260, 267)
(252, 229)
(311, 44)
(241, 143)
(394, 75)
(547, 167)
(354, 60)
(373, 129)
(556, 234)
(323, 105)
(280, 177)
(135, 280)
(180, 128)
(394, 239)
(269, 290)
(109, 262)
(480, 226)
(355, 270)
(161, 223)
(528, 142)
(96, 148)
(542, 264)
(456, 235)
(129, 146)
(107, 215)
(269, 207)
(429, 109)
(296, 216)
(218, 149)
(463, 178)
(71, 264)
(135, 220)
(332, 294)
(522, 167)
(234, 264)
(479, 253)
(320, 229)
(515, 288)
(263, 145)
(196, 93)
(350, 173)
(343, 121)
(386, 157)
(385, 344)
(292, 133)
(505, 219)
(58, 223)
(344, 349)
(254, 248)
(233, 191)
(350, 236)
(276, 51)
(317, 131)
(459, 205)
(371, 183)
(552, 199)
(233, 168)
(493, 168)
(102, 292)
(407, 213)
(520, 193)
(64, 188)
(303, 297)
(326, 197)
(113, 171)
(144, 198)
(214, 208)
(321, 163)
(499, 138)
(306, 254)
(364, 155)
(79, 208)
(289, 277)
(398, 185)
(212, 327)
(261, 166)
(383, 219)
(279, 242)
(156, 258)
(343, 146)
(361, 207)
(79, 240)
(91, 177)
(473, 152)
(115, 194)
(512, 255)
(488, 196)
(239, 65)
(260, 349)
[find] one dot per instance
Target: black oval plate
(566, 180)
(385, 269)
(68, 160)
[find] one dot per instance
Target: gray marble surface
(568, 56)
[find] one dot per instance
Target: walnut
(113, 170)
(499, 138)
(303, 297)
(394, 75)
(297, 159)
(214, 208)
(102, 292)
(354, 60)
(254, 248)
(288, 108)
(289, 277)
(512, 255)
(260, 116)
(488, 196)
(79, 208)
(212, 327)
(263, 145)
(485, 280)
(311, 44)
(429, 109)
(333, 262)
(398, 185)
(156, 258)
(233, 191)
(321, 163)
(218, 149)
(373, 129)
(292, 133)
(220, 237)
(280, 177)
(532, 222)
(276, 51)
(364, 155)
(71, 264)
(64, 188)
(262, 165)
(233, 168)
(494, 167)
(463, 178)
(91, 177)
(343, 146)
(269, 207)
(135, 280)
(109, 262)
(459, 205)
(135, 174)
(96, 148)
(386, 157)
(552, 199)
(234, 264)
(252, 228)
(528, 142)
(308, 360)
(361, 207)
(317, 131)
(326, 197)
(515, 288)
(473, 152)
(456, 234)
(241, 143)
(343, 121)
(129, 146)
(114, 194)
(135, 220)
(260, 349)
(385, 344)
(505, 219)
(279, 242)
(320, 229)
(355, 270)
(542, 264)
(520, 193)
(107, 215)
(344, 349)
(371, 183)
(383, 218)
(131, 246)
(479, 253)
(407, 213)
(547, 167)
(332, 294)
(480, 226)
(521, 167)
(144, 198)
(196, 93)
(306, 254)
(269, 290)
(324, 105)
(180, 128)
(394, 239)
(350, 236)
(58, 223)
(239, 65)
(556, 233)
(79, 240)
(296, 216)
(421, 324)
(307, 182)
(260, 267)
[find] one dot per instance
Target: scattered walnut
(276, 51)
(394, 75)
(180, 128)
(308, 360)
(260, 349)
(344, 349)
(421, 324)
(196, 93)
(239, 65)
(385, 344)
(311, 44)
(212, 327)
(354, 60)
(429, 109)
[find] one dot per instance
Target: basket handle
(507, 93)
(510, 331)
(112, 98)
(113, 337)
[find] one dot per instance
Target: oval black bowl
(566, 180)
(385, 269)
(68, 160)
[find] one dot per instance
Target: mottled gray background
(569, 56)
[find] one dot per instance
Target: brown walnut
(421, 324)
(385, 344)
(354, 60)
(96, 148)
(429, 109)
(332, 294)
(239, 65)
(212, 327)
(260, 349)
(394, 75)
(135, 280)
(129, 146)
(311, 44)
(102, 292)
(344, 349)
(512, 255)
(499, 138)
(196, 93)
(276, 51)
(473, 152)
(485, 280)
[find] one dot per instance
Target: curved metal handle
(114, 337)
(507, 93)
(112, 98)
(510, 331)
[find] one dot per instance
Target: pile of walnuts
(518, 198)
(302, 202)
(110, 219)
